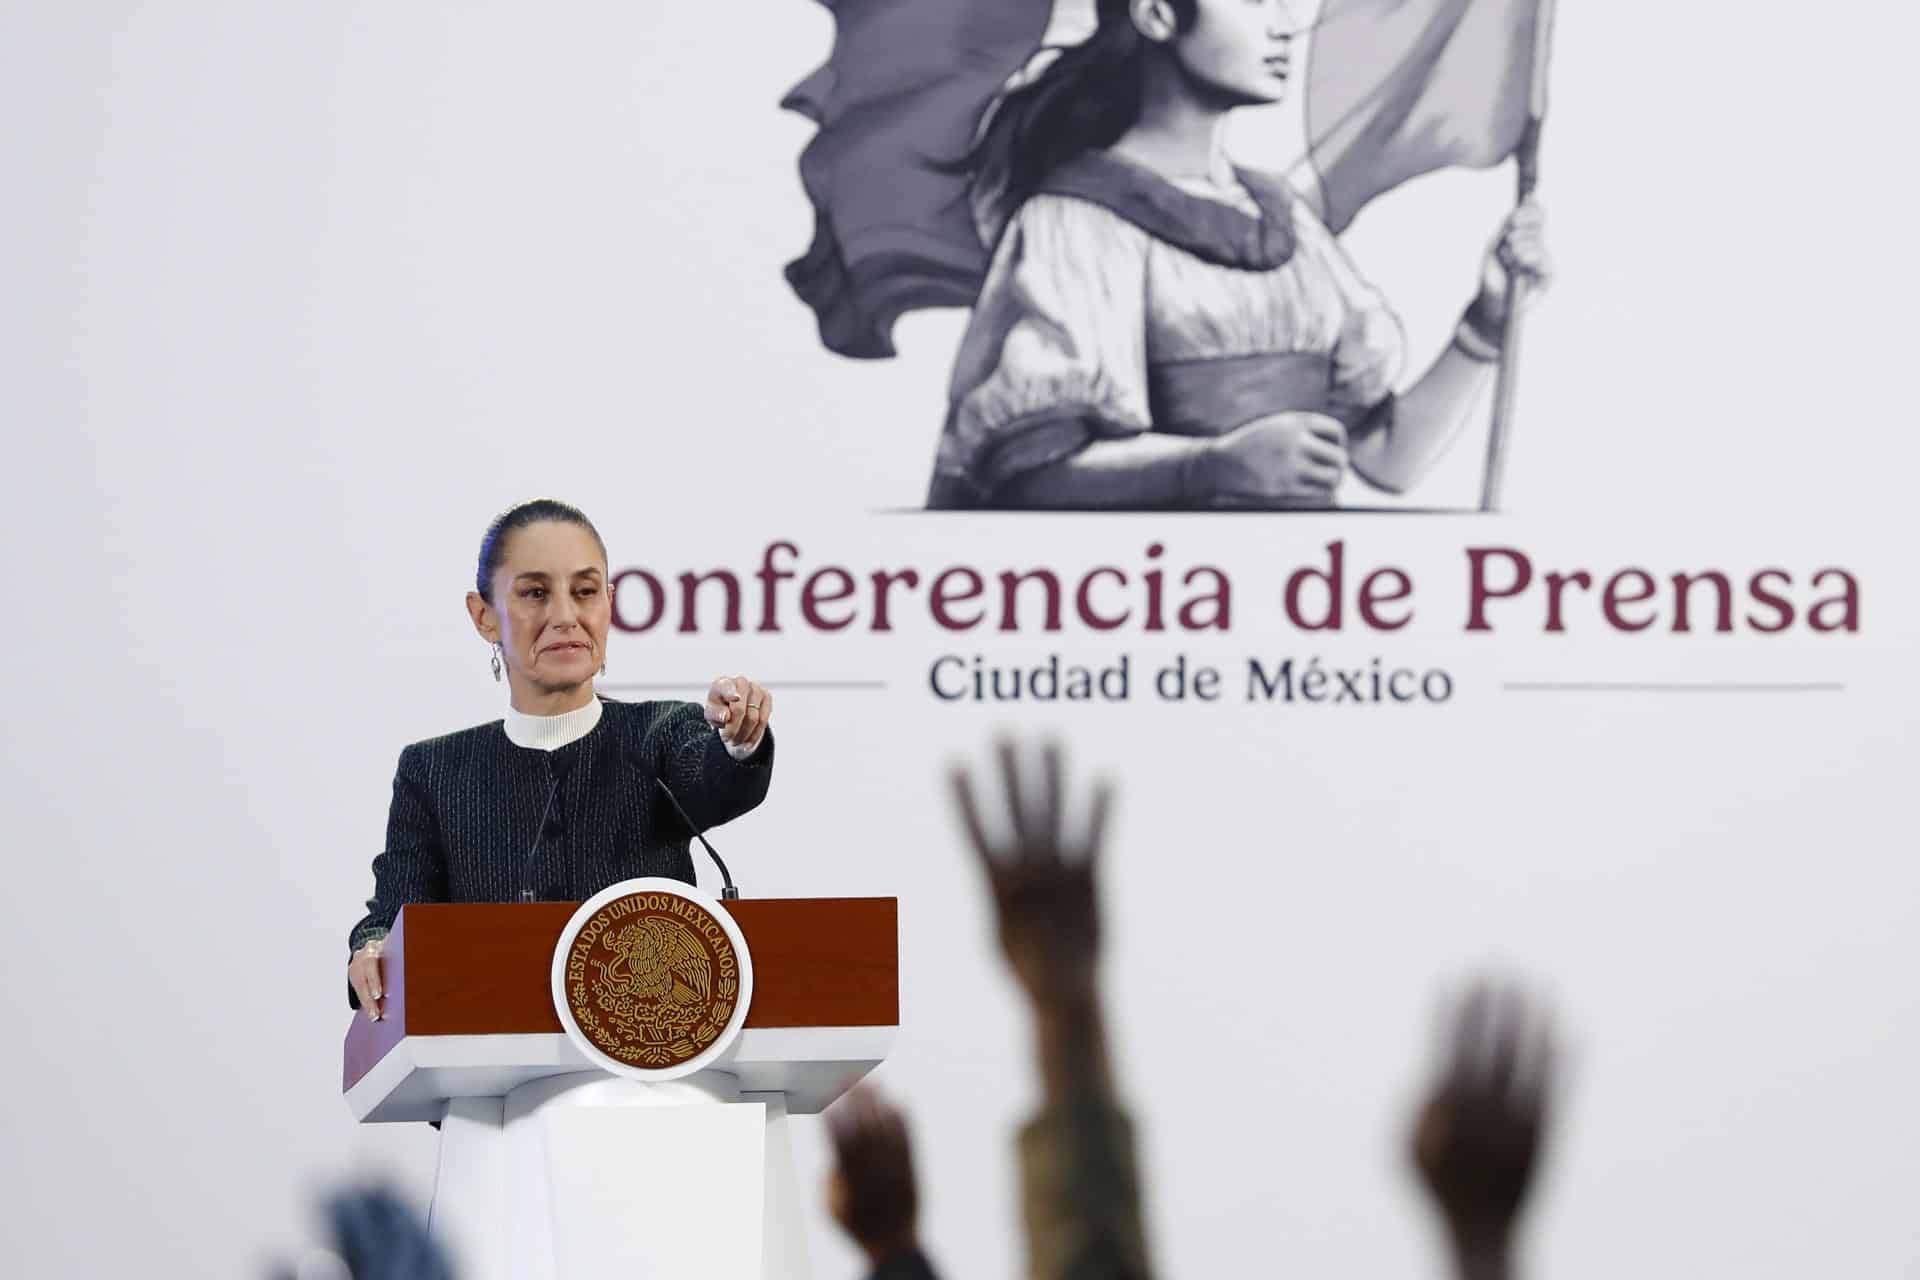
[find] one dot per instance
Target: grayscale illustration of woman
(1159, 328)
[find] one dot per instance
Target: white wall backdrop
(293, 297)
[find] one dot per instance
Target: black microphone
(560, 768)
(727, 893)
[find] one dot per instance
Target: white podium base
(589, 1174)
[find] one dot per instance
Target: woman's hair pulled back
(1084, 101)
(493, 547)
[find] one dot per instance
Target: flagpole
(1527, 176)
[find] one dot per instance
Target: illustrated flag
(1394, 89)
(896, 105)
(1398, 88)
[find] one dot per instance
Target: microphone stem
(727, 890)
(533, 850)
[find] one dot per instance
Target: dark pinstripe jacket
(466, 810)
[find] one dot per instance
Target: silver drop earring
(496, 664)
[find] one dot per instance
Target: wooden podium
(553, 1167)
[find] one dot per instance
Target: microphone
(560, 769)
(727, 893)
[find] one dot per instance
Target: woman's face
(550, 608)
(1241, 50)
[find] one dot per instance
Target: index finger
(357, 979)
(1023, 825)
(1324, 452)
(1535, 1060)
(1506, 1015)
(1097, 820)
(1327, 428)
(962, 787)
(1470, 1029)
(1051, 771)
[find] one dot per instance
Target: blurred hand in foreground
(376, 1236)
(871, 1191)
(1477, 1140)
(1042, 878)
(1079, 1177)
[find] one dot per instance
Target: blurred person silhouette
(372, 1235)
(1478, 1135)
(1080, 1183)
(872, 1192)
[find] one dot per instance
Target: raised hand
(871, 1191)
(740, 710)
(1518, 252)
(1042, 879)
(1477, 1140)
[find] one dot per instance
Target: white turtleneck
(550, 733)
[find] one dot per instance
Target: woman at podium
(570, 792)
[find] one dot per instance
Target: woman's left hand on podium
(363, 972)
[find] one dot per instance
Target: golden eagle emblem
(656, 959)
(651, 979)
